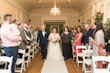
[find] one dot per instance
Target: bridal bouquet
(54, 40)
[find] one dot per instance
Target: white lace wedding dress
(54, 50)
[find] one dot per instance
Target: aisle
(37, 64)
(54, 67)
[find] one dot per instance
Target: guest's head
(8, 18)
(66, 29)
(29, 26)
(99, 25)
(25, 25)
(43, 27)
(72, 30)
(37, 29)
(20, 24)
(54, 30)
(13, 20)
(86, 26)
(93, 26)
(79, 29)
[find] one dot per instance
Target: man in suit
(42, 37)
(87, 34)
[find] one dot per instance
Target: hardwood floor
(36, 65)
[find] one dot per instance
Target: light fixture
(55, 11)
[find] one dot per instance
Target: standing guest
(36, 33)
(98, 41)
(107, 47)
(93, 30)
(31, 30)
(43, 38)
(10, 40)
(27, 33)
(73, 31)
(87, 34)
(78, 38)
(13, 27)
(23, 42)
(66, 43)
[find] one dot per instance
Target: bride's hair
(55, 28)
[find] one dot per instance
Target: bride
(54, 50)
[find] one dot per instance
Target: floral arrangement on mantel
(99, 16)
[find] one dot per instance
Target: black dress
(66, 45)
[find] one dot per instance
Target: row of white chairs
(86, 57)
(32, 50)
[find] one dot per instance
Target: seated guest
(87, 34)
(10, 40)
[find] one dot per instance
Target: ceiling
(32, 4)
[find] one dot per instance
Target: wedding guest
(36, 33)
(99, 37)
(87, 34)
(10, 40)
(94, 30)
(14, 27)
(27, 33)
(23, 42)
(107, 47)
(66, 43)
(78, 38)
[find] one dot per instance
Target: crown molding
(53, 16)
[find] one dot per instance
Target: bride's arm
(59, 37)
(49, 38)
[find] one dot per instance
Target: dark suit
(43, 43)
(87, 35)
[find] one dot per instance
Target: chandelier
(55, 11)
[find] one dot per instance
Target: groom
(42, 37)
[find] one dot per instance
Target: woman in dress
(78, 38)
(99, 37)
(66, 43)
(54, 50)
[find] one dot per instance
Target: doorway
(54, 23)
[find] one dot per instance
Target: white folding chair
(87, 55)
(27, 55)
(20, 61)
(32, 51)
(36, 50)
(79, 54)
(100, 58)
(6, 60)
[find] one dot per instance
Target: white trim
(54, 18)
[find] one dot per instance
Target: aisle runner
(54, 67)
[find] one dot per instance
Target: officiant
(66, 43)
